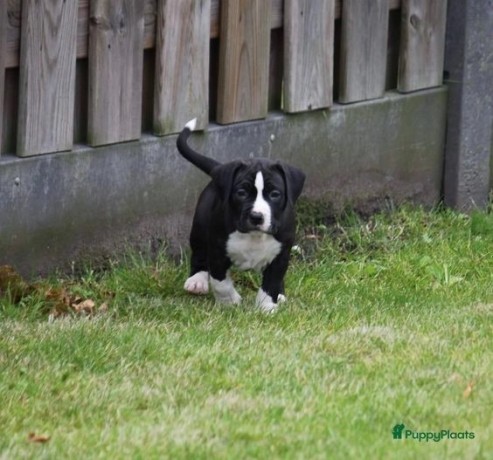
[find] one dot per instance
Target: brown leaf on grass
(63, 303)
(33, 437)
(58, 301)
(468, 390)
(86, 306)
(11, 283)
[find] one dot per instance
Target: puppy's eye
(241, 193)
(275, 195)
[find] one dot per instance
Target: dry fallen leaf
(468, 390)
(33, 437)
(13, 284)
(85, 306)
(58, 301)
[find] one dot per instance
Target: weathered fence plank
(47, 77)
(181, 88)
(422, 44)
(116, 59)
(3, 56)
(308, 58)
(13, 32)
(364, 32)
(244, 50)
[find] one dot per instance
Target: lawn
(388, 321)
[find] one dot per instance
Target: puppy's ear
(294, 179)
(223, 177)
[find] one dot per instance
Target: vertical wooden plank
(116, 59)
(3, 60)
(309, 51)
(244, 48)
(181, 89)
(422, 44)
(364, 31)
(47, 76)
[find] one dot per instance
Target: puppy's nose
(256, 218)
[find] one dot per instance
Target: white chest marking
(260, 205)
(252, 250)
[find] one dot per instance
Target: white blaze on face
(260, 205)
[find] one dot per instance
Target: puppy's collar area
(254, 250)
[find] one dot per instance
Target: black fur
(225, 207)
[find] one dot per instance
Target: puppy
(244, 217)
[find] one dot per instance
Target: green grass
(388, 321)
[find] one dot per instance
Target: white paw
(224, 291)
(265, 303)
(198, 283)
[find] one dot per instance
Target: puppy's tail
(202, 162)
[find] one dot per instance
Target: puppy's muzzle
(256, 219)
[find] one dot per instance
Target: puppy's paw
(224, 291)
(198, 283)
(231, 298)
(265, 302)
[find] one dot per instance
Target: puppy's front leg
(220, 281)
(224, 291)
(272, 291)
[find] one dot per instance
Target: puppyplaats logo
(399, 431)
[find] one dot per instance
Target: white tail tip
(191, 124)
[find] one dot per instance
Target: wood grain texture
(13, 29)
(3, 56)
(422, 44)
(244, 48)
(308, 57)
(116, 47)
(47, 77)
(364, 33)
(181, 88)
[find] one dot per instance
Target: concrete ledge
(56, 209)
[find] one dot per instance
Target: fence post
(469, 75)
(3, 58)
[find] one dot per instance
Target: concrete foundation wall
(56, 210)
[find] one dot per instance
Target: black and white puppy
(244, 217)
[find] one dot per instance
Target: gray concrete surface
(57, 210)
(469, 76)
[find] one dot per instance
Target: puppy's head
(258, 193)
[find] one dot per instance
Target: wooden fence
(104, 71)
